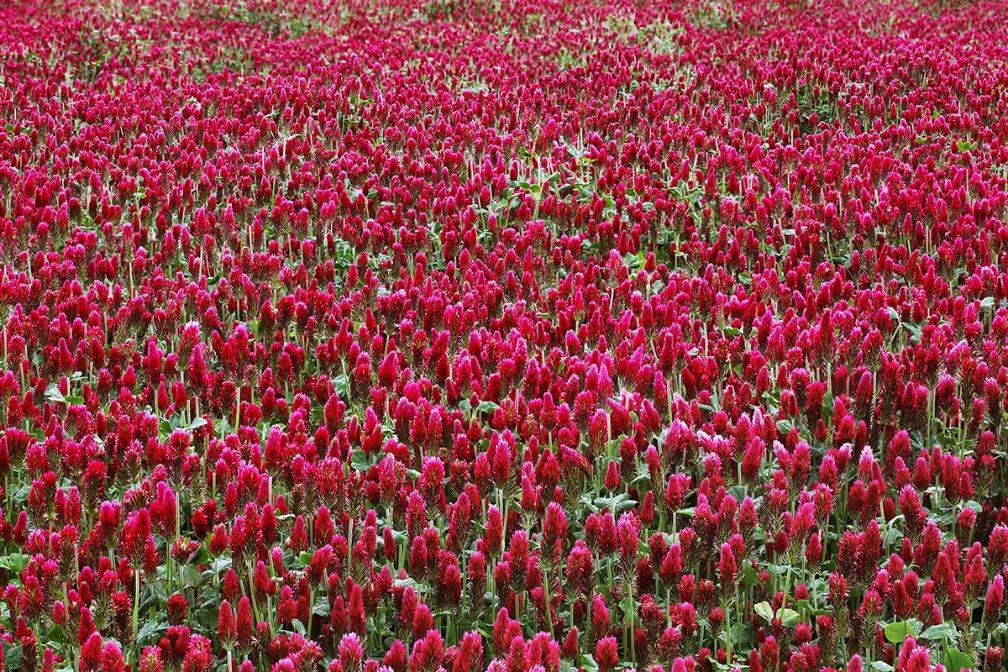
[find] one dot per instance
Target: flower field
(507, 335)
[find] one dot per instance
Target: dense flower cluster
(510, 335)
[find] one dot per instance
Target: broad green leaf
(806, 606)
(789, 617)
(191, 576)
(409, 583)
(359, 460)
(149, 631)
(221, 564)
(14, 562)
(898, 631)
(620, 502)
(764, 611)
(12, 655)
(955, 660)
(321, 607)
(942, 631)
(486, 406)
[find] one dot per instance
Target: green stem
(549, 610)
(136, 609)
